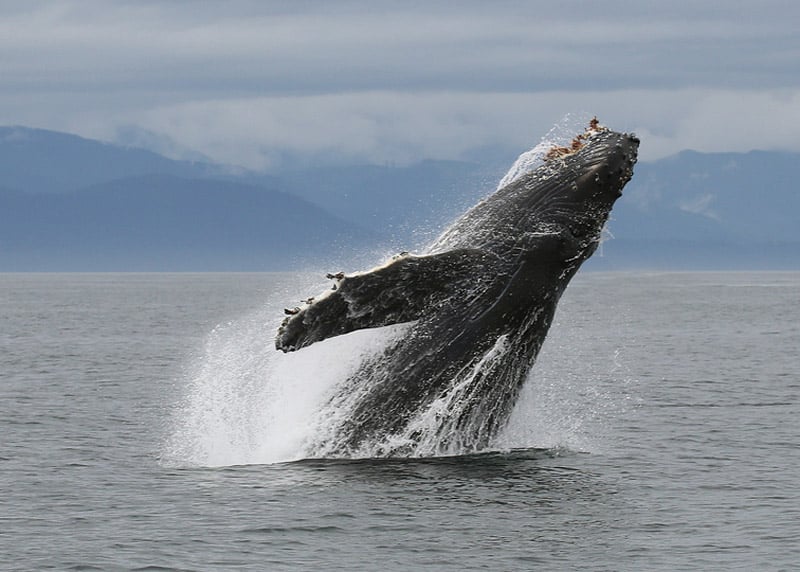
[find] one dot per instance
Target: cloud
(247, 82)
(405, 127)
(728, 120)
(319, 47)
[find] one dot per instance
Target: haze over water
(657, 431)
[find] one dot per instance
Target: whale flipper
(400, 291)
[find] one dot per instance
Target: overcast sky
(246, 82)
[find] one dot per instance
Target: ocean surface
(147, 423)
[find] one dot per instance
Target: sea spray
(582, 384)
(245, 403)
(559, 135)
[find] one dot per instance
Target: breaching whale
(478, 304)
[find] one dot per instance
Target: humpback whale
(476, 305)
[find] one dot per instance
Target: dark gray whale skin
(480, 303)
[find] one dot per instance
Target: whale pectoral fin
(401, 291)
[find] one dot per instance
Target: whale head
(561, 206)
(572, 195)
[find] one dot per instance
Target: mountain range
(74, 204)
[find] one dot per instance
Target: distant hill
(68, 203)
(710, 210)
(163, 222)
(42, 161)
(408, 204)
(689, 211)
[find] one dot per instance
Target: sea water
(146, 422)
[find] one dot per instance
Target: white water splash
(439, 416)
(246, 403)
(560, 135)
(579, 388)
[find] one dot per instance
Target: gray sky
(245, 82)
